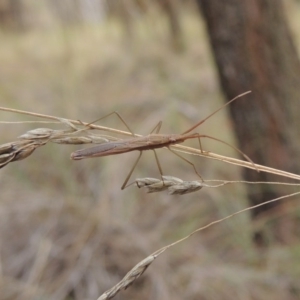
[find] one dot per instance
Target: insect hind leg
(189, 162)
(232, 147)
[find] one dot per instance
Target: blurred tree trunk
(11, 17)
(253, 50)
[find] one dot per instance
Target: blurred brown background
(67, 231)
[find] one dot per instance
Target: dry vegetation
(67, 231)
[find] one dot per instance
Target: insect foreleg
(119, 116)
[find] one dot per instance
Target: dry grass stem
(64, 137)
(234, 161)
(141, 267)
(28, 122)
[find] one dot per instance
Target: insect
(151, 142)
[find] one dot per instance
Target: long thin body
(149, 142)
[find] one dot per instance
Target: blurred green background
(67, 230)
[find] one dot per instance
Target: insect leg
(159, 166)
(157, 127)
(200, 145)
(189, 162)
(130, 173)
(118, 115)
(231, 146)
(201, 122)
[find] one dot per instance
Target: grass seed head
(175, 186)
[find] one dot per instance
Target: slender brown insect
(150, 142)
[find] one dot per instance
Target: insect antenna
(201, 122)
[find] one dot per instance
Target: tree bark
(253, 50)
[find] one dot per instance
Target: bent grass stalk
(142, 266)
